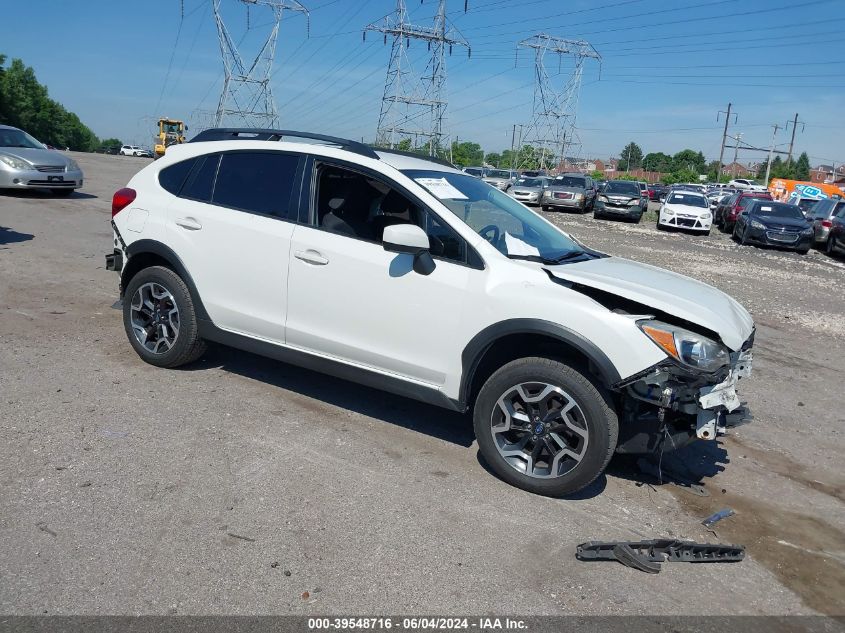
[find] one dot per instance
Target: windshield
(778, 210)
(529, 182)
(570, 181)
(17, 138)
(514, 230)
(688, 200)
(806, 204)
(499, 173)
(623, 187)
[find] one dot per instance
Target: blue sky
(667, 69)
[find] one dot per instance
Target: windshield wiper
(551, 260)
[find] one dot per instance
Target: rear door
(231, 225)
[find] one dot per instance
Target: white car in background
(685, 210)
(744, 184)
(134, 150)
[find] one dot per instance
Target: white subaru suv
(405, 274)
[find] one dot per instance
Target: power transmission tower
(552, 125)
(407, 97)
(247, 98)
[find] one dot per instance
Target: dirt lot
(238, 484)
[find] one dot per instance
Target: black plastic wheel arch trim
(166, 253)
(474, 351)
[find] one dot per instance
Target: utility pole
(738, 139)
(724, 137)
(408, 97)
(515, 147)
(771, 151)
(247, 97)
(795, 123)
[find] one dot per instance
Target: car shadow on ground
(10, 236)
(424, 418)
(45, 195)
(694, 463)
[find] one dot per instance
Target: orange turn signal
(664, 339)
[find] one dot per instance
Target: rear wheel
(544, 426)
(159, 318)
(830, 246)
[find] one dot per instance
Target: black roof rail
(433, 159)
(256, 134)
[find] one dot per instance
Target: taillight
(121, 199)
(827, 224)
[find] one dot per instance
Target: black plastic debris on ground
(647, 555)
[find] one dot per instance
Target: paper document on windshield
(441, 188)
(516, 246)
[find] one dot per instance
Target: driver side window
(359, 206)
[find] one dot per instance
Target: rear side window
(257, 182)
(200, 182)
(172, 178)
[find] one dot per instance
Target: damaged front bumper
(668, 405)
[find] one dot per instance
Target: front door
(351, 300)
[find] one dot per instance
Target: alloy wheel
(154, 317)
(539, 430)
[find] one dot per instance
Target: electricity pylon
(247, 98)
(407, 98)
(552, 126)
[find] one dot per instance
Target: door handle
(311, 257)
(188, 223)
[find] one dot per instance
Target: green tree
(689, 160)
(494, 159)
(657, 161)
(631, 157)
(597, 174)
(467, 153)
(25, 103)
(802, 167)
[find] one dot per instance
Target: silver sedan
(27, 164)
(528, 190)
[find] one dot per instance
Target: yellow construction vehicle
(170, 132)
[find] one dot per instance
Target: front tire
(159, 318)
(545, 426)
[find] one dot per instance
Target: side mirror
(411, 240)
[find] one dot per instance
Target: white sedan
(685, 210)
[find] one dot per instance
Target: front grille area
(51, 169)
(563, 195)
(54, 184)
(781, 237)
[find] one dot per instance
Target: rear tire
(555, 455)
(159, 318)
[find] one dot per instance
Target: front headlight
(603, 199)
(757, 225)
(668, 211)
(705, 216)
(72, 165)
(689, 348)
(14, 162)
(633, 203)
(579, 196)
(808, 231)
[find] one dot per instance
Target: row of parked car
(743, 208)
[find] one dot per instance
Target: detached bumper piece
(647, 555)
(114, 261)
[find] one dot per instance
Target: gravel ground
(239, 484)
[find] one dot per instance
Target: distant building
(738, 170)
(828, 174)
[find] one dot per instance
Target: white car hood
(688, 209)
(666, 291)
